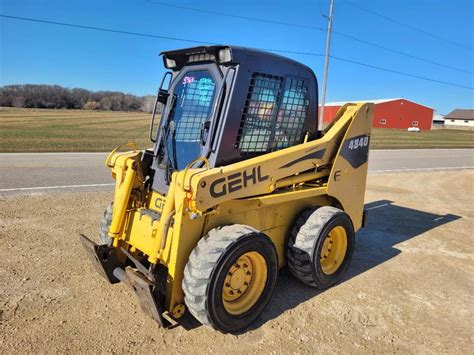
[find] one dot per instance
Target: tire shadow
(387, 225)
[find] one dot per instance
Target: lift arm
(340, 155)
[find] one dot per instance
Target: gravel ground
(409, 289)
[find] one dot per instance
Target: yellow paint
(334, 250)
(286, 187)
(244, 283)
(178, 310)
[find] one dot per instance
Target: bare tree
(91, 105)
(147, 104)
(55, 96)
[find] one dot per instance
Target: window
(453, 120)
(383, 121)
(466, 121)
(414, 123)
(194, 98)
(259, 112)
(292, 113)
(274, 115)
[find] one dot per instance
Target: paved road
(42, 172)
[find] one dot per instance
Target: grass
(384, 138)
(37, 130)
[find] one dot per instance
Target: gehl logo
(235, 182)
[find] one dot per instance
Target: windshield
(194, 98)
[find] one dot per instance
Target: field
(408, 290)
(35, 130)
(384, 138)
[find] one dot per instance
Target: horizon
(329, 103)
(81, 88)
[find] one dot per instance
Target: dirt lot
(410, 287)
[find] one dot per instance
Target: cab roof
(239, 55)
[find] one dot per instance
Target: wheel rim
(244, 283)
(334, 250)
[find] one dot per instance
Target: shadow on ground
(388, 225)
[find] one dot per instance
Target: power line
(259, 19)
(321, 10)
(140, 34)
(234, 16)
(407, 25)
(402, 53)
(105, 29)
(402, 73)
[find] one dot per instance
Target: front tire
(320, 246)
(104, 225)
(230, 277)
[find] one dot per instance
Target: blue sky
(41, 53)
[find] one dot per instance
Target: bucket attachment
(105, 261)
(103, 257)
(145, 291)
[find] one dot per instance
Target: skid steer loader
(240, 182)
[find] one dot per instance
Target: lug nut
(249, 273)
(246, 283)
(227, 285)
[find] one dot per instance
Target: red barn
(391, 113)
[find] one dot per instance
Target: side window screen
(195, 94)
(291, 114)
(259, 113)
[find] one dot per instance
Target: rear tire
(104, 225)
(320, 246)
(230, 277)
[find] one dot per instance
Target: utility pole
(326, 64)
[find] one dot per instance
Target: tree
(91, 105)
(55, 96)
(147, 104)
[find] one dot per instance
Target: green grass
(35, 130)
(383, 138)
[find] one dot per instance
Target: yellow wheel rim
(334, 250)
(244, 283)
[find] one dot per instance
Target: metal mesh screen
(292, 114)
(274, 116)
(259, 112)
(195, 98)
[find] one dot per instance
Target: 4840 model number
(358, 143)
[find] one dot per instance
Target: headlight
(225, 55)
(170, 63)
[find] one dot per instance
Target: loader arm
(339, 158)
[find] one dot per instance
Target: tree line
(58, 97)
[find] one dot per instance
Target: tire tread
(104, 225)
(201, 263)
(301, 245)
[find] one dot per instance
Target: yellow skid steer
(240, 182)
